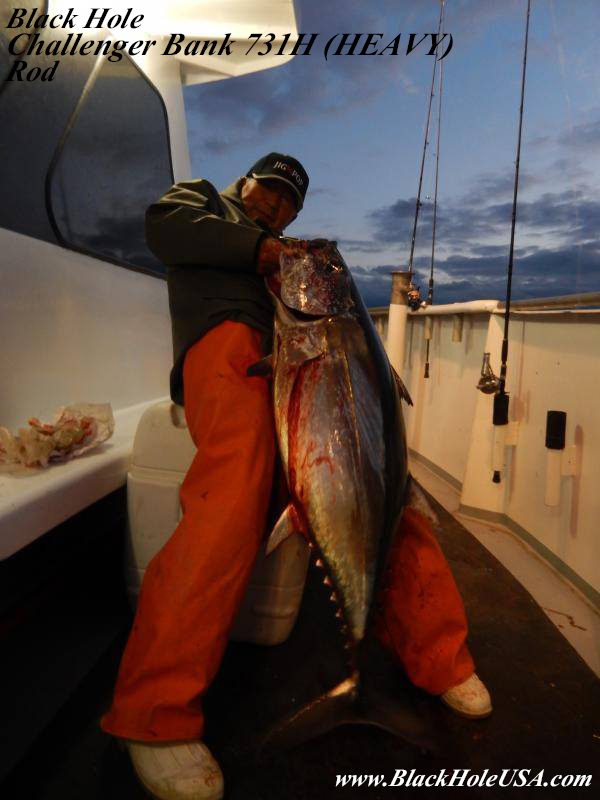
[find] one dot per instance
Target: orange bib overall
(194, 586)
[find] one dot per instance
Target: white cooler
(162, 453)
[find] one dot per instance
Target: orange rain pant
(193, 587)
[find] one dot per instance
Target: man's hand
(267, 260)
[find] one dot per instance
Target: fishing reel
(488, 382)
(414, 297)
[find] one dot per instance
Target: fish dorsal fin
(283, 528)
(263, 367)
(402, 390)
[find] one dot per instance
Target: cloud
(558, 243)
(458, 224)
(474, 14)
(501, 184)
(121, 238)
(585, 136)
(324, 192)
(568, 167)
(473, 221)
(543, 273)
(359, 245)
(306, 87)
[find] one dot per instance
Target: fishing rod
(425, 143)
(435, 197)
(501, 399)
(435, 193)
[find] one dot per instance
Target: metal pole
(396, 335)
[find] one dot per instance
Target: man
(217, 246)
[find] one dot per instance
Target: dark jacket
(209, 247)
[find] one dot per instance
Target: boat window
(7, 9)
(114, 162)
(33, 115)
(5, 58)
(5, 61)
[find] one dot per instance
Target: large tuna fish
(343, 448)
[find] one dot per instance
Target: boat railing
(583, 300)
(546, 497)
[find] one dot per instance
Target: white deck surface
(33, 501)
(572, 614)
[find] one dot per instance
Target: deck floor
(546, 717)
(571, 612)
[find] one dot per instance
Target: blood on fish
(318, 460)
(322, 460)
(298, 520)
(274, 283)
(294, 412)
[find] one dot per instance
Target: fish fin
(264, 367)
(283, 528)
(417, 500)
(335, 707)
(399, 715)
(347, 704)
(402, 390)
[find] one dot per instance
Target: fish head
(314, 279)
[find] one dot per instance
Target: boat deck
(546, 717)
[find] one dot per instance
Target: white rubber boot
(177, 770)
(469, 699)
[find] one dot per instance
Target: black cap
(283, 168)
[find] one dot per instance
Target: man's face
(269, 202)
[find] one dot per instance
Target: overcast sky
(357, 124)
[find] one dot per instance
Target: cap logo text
(290, 170)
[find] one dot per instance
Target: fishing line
(514, 218)
(500, 416)
(574, 188)
(435, 198)
(435, 194)
(425, 143)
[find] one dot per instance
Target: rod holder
(498, 460)
(505, 434)
(552, 489)
(400, 286)
(560, 460)
(428, 334)
(457, 327)
(397, 315)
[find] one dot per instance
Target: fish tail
(347, 704)
(332, 709)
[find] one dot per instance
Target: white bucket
(162, 453)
